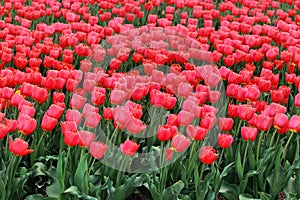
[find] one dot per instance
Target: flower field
(149, 99)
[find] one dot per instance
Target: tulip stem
(259, 144)
(287, 144)
(272, 139)
(245, 155)
(93, 162)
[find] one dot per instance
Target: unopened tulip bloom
(86, 138)
(225, 124)
(26, 124)
(196, 132)
(297, 100)
(248, 133)
(48, 123)
(281, 120)
(129, 147)
(19, 147)
(263, 122)
(294, 123)
(225, 140)
(180, 142)
(208, 155)
(98, 149)
(3, 130)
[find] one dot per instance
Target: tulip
(180, 143)
(169, 154)
(86, 138)
(98, 149)
(208, 155)
(71, 138)
(248, 133)
(40, 94)
(225, 140)
(58, 97)
(26, 125)
(129, 147)
(68, 126)
(108, 113)
(73, 115)
(92, 119)
(12, 124)
(185, 118)
(297, 100)
(19, 147)
(245, 112)
(55, 111)
(196, 132)
(184, 90)
(280, 121)
(48, 123)
(225, 124)
(294, 123)
(27, 110)
(166, 132)
(263, 122)
(4, 129)
(77, 101)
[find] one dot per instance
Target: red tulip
(297, 100)
(48, 123)
(19, 147)
(180, 143)
(166, 132)
(185, 118)
(73, 115)
(71, 138)
(77, 101)
(248, 133)
(4, 129)
(225, 124)
(11, 123)
(280, 121)
(129, 147)
(68, 126)
(55, 111)
(294, 123)
(86, 138)
(225, 140)
(40, 94)
(26, 125)
(208, 155)
(92, 119)
(98, 149)
(263, 122)
(196, 132)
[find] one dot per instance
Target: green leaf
(2, 188)
(73, 190)
(264, 196)
(246, 197)
(173, 191)
(226, 170)
(229, 191)
(80, 177)
(239, 167)
(130, 186)
(38, 197)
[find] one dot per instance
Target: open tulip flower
(150, 99)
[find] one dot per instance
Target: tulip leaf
(39, 197)
(173, 191)
(129, 186)
(229, 191)
(80, 177)
(246, 197)
(73, 190)
(226, 170)
(239, 167)
(264, 196)
(2, 188)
